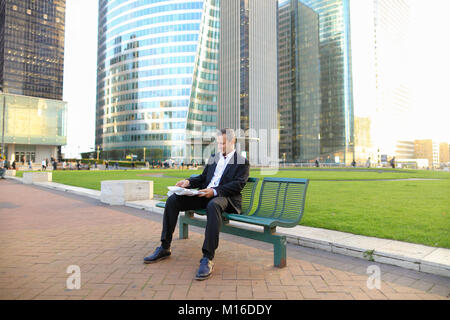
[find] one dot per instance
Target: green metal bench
(281, 203)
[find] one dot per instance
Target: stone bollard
(116, 192)
(32, 177)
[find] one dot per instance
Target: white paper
(182, 191)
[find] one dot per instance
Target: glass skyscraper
(34, 127)
(299, 82)
(202, 114)
(32, 47)
(31, 79)
(248, 77)
(336, 116)
(382, 72)
(156, 73)
(364, 75)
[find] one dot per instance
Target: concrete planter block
(117, 192)
(10, 173)
(32, 177)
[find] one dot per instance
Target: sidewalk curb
(411, 256)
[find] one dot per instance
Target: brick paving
(42, 232)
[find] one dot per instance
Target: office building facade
(32, 128)
(404, 150)
(336, 116)
(427, 149)
(31, 79)
(248, 77)
(381, 75)
(299, 82)
(364, 90)
(202, 113)
(444, 153)
(32, 48)
(157, 74)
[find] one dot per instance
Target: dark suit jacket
(231, 183)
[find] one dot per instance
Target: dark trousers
(214, 208)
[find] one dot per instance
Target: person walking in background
(2, 168)
(44, 165)
(393, 162)
(353, 163)
(368, 163)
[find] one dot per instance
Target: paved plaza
(43, 232)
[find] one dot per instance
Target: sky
(432, 66)
(430, 84)
(80, 74)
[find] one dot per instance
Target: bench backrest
(248, 194)
(282, 199)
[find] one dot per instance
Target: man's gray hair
(231, 136)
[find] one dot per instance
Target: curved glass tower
(148, 51)
(202, 115)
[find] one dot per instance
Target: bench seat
(260, 221)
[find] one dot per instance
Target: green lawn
(347, 200)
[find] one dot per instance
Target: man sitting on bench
(221, 183)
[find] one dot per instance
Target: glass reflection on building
(33, 127)
(381, 74)
(336, 117)
(299, 82)
(156, 65)
(32, 47)
(202, 115)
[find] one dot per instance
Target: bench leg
(279, 252)
(184, 227)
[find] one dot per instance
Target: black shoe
(205, 269)
(159, 254)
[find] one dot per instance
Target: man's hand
(208, 193)
(183, 183)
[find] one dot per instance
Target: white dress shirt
(220, 168)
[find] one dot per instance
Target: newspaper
(182, 191)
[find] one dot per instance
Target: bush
(128, 163)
